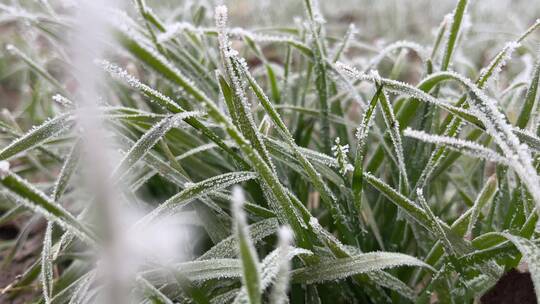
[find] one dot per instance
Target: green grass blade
(251, 273)
(358, 264)
(344, 44)
(196, 191)
(68, 168)
(361, 150)
(155, 293)
(47, 265)
(393, 127)
(37, 136)
(240, 103)
(454, 30)
(148, 140)
(439, 37)
(270, 269)
(486, 195)
(211, 269)
(376, 277)
(321, 81)
(462, 146)
(227, 247)
(439, 231)
(278, 294)
(166, 102)
(530, 99)
(401, 201)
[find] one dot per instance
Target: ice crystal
(467, 147)
(61, 100)
(403, 44)
(279, 292)
(341, 154)
(4, 169)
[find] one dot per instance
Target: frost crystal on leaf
(148, 140)
(11, 48)
(467, 147)
(131, 80)
(46, 265)
(4, 169)
(417, 48)
(63, 101)
(341, 154)
(238, 200)
(174, 29)
(279, 291)
(251, 273)
(496, 124)
(221, 14)
(227, 247)
(362, 263)
(490, 74)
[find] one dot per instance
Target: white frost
(4, 168)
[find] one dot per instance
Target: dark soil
(9, 232)
(21, 261)
(513, 288)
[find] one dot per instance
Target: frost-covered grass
(179, 158)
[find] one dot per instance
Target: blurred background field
(378, 22)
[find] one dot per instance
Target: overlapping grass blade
(154, 292)
(157, 62)
(530, 252)
(327, 196)
(377, 277)
(270, 268)
(401, 201)
(239, 103)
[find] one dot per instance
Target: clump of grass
(430, 191)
